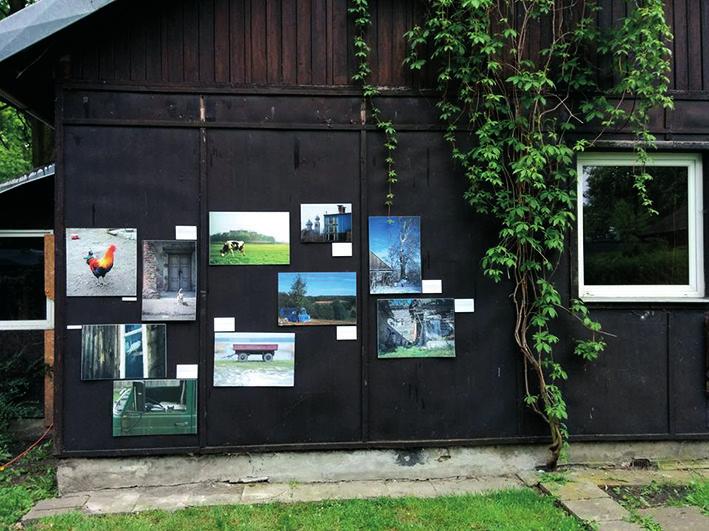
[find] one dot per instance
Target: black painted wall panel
(122, 177)
(648, 382)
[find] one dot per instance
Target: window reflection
(22, 279)
(623, 242)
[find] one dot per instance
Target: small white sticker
(464, 305)
(129, 299)
(224, 324)
(186, 372)
(341, 249)
(185, 232)
(346, 333)
(73, 327)
(431, 286)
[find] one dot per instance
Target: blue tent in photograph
(294, 315)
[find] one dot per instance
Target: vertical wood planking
(105, 59)
(153, 46)
(340, 43)
(138, 50)
(122, 53)
(237, 70)
(319, 47)
(373, 42)
(259, 73)
(191, 41)
(273, 41)
(330, 45)
(694, 37)
(681, 52)
(384, 42)
(304, 44)
(704, 9)
(222, 60)
(289, 43)
(400, 23)
(206, 41)
(174, 44)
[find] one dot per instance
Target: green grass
(22, 485)
(418, 352)
(699, 494)
(255, 254)
(256, 363)
(511, 510)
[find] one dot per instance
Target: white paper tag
(73, 327)
(129, 299)
(431, 286)
(186, 372)
(346, 333)
(185, 232)
(342, 249)
(464, 305)
(224, 324)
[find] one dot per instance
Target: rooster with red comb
(101, 266)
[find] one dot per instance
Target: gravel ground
(168, 309)
(119, 282)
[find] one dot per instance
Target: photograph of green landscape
(311, 299)
(249, 238)
(415, 328)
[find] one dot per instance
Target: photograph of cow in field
(232, 246)
(266, 233)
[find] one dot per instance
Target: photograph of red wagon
(254, 359)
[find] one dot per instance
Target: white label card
(431, 286)
(346, 333)
(185, 232)
(129, 299)
(342, 249)
(186, 372)
(224, 324)
(73, 327)
(464, 305)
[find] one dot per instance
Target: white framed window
(24, 304)
(625, 253)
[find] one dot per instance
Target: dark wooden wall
(218, 105)
(306, 42)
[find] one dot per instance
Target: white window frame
(30, 324)
(694, 290)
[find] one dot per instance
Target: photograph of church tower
(325, 223)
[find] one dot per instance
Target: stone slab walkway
(581, 495)
(131, 500)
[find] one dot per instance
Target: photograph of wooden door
(179, 272)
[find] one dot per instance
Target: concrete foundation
(79, 475)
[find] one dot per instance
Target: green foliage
(29, 481)
(15, 143)
(510, 510)
(359, 9)
(522, 111)
(17, 375)
(241, 235)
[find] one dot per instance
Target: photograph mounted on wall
(325, 222)
(415, 328)
(249, 238)
(154, 407)
(169, 280)
(313, 299)
(394, 254)
(123, 351)
(101, 262)
(254, 359)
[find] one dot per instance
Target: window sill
(646, 300)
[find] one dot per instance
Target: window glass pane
(22, 279)
(623, 242)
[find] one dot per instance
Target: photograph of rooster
(101, 262)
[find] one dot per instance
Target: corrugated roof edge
(34, 175)
(41, 20)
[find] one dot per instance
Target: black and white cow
(232, 245)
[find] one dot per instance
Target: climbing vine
(515, 120)
(362, 20)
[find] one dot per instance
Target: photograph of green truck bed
(154, 407)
